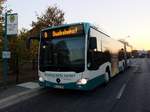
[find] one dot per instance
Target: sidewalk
(17, 93)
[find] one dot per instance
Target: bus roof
(84, 23)
(64, 25)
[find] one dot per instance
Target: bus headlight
(82, 81)
(41, 79)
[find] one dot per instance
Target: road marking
(121, 91)
(29, 85)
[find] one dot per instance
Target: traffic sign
(6, 54)
(12, 24)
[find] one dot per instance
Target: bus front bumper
(74, 85)
(63, 86)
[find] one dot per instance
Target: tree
(53, 16)
(1, 24)
(1, 17)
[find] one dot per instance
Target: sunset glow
(119, 18)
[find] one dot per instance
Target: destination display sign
(68, 31)
(74, 30)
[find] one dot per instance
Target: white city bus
(78, 56)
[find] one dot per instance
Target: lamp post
(125, 48)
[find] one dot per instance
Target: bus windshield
(63, 54)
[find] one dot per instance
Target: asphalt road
(127, 92)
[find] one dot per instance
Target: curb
(14, 99)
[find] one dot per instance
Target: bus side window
(95, 59)
(107, 56)
(121, 54)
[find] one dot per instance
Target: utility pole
(125, 48)
(5, 53)
(10, 28)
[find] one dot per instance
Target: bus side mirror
(93, 43)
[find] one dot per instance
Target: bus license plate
(59, 86)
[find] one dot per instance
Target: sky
(121, 19)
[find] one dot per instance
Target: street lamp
(125, 47)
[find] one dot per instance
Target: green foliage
(1, 18)
(53, 16)
(17, 45)
(1, 25)
(20, 46)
